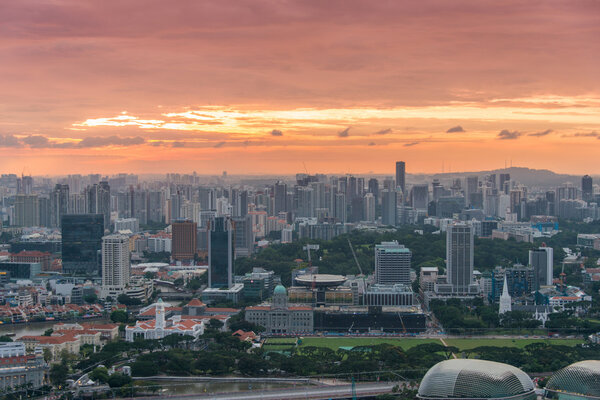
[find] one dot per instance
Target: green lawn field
(470, 343)
(406, 343)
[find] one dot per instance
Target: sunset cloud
(542, 133)
(454, 129)
(505, 134)
(344, 133)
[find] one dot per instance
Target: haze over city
(338, 86)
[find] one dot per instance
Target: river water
(183, 388)
(35, 328)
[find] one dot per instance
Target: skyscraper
(369, 202)
(221, 250)
(401, 177)
(183, 243)
(81, 243)
(59, 204)
(116, 266)
(504, 183)
(392, 263)
(389, 208)
(27, 211)
(459, 257)
(420, 196)
(98, 201)
(280, 197)
(587, 189)
(243, 236)
(542, 261)
(471, 187)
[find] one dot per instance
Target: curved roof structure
(320, 280)
(475, 379)
(280, 289)
(581, 379)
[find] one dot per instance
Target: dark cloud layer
(542, 133)
(456, 128)
(383, 131)
(505, 134)
(344, 133)
(276, 132)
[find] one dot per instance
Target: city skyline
(258, 87)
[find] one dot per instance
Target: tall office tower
(44, 212)
(542, 261)
(352, 189)
(420, 196)
(81, 243)
(374, 188)
(27, 211)
(401, 176)
(27, 184)
(176, 201)
(360, 187)
(221, 252)
(340, 208)
(369, 201)
(389, 208)
(59, 204)
(471, 187)
(280, 197)
(392, 263)
(491, 181)
(240, 204)
(551, 199)
(318, 193)
(243, 236)
(459, 257)
(389, 183)
(304, 201)
(98, 201)
(116, 266)
(504, 183)
(155, 207)
(587, 189)
(357, 208)
(183, 244)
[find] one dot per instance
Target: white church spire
(505, 299)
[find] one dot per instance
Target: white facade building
(392, 263)
(116, 266)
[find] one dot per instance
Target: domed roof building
(475, 379)
(580, 380)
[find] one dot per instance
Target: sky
(279, 87)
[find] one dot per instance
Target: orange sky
(268, 86)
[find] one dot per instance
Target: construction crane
(308, 248)
(355, 258)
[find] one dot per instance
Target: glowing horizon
(268, 87)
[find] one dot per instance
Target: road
(314, 393)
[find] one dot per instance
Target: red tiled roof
(195, 303)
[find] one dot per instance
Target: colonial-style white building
(279, 318)
(159, 327)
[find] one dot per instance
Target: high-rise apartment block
(115, 265)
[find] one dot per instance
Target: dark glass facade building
(81, 243)
(220, 253)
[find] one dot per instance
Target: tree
(214, 324)
(91, 298)
(47, 354)
(128, 301)
(150, 275)
(99, 374)
(5, 338)
(118, 380)
(58, 374)
(118, 316)
(178, 282)
(48, 332)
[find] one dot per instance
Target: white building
(369, 207)
(505, 299)
(459, 257)
(116, 266)
(131, 224)
(160, 327)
